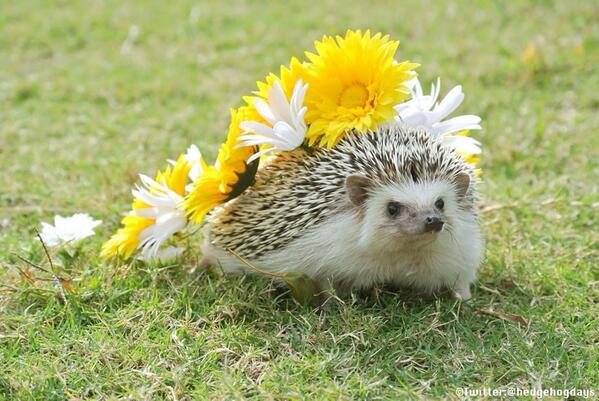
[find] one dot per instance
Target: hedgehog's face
(402, 213)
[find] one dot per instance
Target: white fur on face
(417, 200)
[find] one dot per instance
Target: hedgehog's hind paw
(206, 262)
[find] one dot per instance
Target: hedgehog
(392, 207)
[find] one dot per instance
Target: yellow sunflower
(229, 176)
(125, 241)
(354, 82)
(175, 177)
(156, 213)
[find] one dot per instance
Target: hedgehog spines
(298, 190)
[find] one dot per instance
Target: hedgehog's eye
(439, 204)
(393, 208)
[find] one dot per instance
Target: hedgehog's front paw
(462, 292)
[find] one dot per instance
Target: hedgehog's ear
(357, 187)
(462, 183)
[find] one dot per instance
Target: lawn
(94, 92)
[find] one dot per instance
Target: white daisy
(166, 207)
(287, 128)
(424, 111)
(68, 229)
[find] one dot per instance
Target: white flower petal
(278, 103)
(253, 140)
(193, 154)
(288, 128)
(259, 154)
(423, 111)
(462, 143)
(416, 89)
(152, 199)
(194, 158)
(457, 124)
(435, 91)
(168, 254)
(167, 223)
(165, 208)
(413, 118)
(450, 102)
(68, 229)
(297, 98)
(147, 212)
(50, 235)
(290, 137)
(156, 194)
(264, 110)
(257, 128)
(410, 84)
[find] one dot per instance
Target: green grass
(83, 110)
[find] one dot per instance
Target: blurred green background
(94, 92)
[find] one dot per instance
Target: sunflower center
(353, 96)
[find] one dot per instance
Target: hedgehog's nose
(433, 224)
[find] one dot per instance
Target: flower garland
(350, 82)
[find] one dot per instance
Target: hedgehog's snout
(433, 224)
